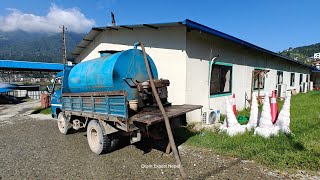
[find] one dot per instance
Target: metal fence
(26, 93)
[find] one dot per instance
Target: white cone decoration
(233, 127)
(224, 126)
(266, 128)
(253, 120)
(231, 118)
(283, 121)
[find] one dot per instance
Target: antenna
(64, 48)
(113, 20)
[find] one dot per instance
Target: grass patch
(41, 111)
(299, 151)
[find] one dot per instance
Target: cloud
(72, 18)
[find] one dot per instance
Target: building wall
(165, 45)
(243, 61)
(183, 57)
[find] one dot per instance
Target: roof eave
(188, 23)
(220, 34)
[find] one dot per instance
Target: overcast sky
(272, 24)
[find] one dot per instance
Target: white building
(316, 56)
(182, 52)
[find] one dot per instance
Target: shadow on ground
(180, 135)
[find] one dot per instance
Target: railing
(25, 93)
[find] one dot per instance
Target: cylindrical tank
(110, 73)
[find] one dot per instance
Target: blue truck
(111, 96)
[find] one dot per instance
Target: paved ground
(31, 147)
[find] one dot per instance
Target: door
(56, 96)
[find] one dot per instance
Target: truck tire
(114, 142)
(98, 142)
(63, 123)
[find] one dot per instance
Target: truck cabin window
(221, 79)
(58, 84)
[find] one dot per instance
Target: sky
(272, 24)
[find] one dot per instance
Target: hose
(163, 112)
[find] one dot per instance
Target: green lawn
(299, 151)
(41, 111)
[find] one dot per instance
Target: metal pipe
(210, 71)
(166, 119)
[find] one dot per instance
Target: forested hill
(42, 47)
(302, 53)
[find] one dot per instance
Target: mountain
(302, 53)
(42, 47)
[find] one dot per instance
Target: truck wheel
(114, 142)
(98, 142)
(63, 123)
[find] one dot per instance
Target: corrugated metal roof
(12, 64)
(6, 87)
(188, 23)
(206, 29)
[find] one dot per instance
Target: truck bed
(153, 115)
(96, 105)
(103, 105)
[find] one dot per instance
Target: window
(58, 84)
(221, 79)
(307, 80)
(279, 77)
(300, 80)
(259, 79)
(292, 79)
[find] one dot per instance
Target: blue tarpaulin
(6, 87)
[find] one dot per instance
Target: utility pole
(64, 49)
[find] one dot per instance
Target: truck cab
(59, 86)
(56, 91)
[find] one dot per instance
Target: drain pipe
(210, 71)
(164, 114)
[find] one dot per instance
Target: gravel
(31, 147)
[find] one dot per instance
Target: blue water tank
(109, 72)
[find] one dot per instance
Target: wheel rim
(94, 137)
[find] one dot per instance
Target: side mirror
(49, 89)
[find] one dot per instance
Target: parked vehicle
(111, 96)
(7, 99)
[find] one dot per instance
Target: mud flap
(107, 128)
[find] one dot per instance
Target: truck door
(56, 104)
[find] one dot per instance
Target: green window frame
(221, 79)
